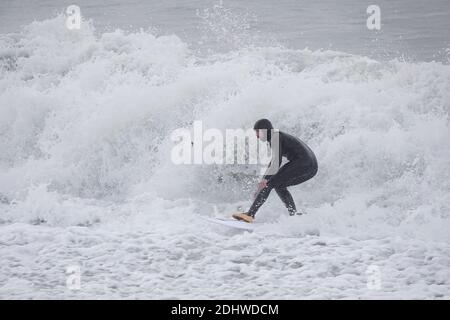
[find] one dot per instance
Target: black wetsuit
(301, 167)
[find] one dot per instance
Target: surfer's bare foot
(242, 216)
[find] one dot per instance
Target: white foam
(85, 123)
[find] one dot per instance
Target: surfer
(301, 166)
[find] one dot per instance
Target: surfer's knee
(281, 190)
(273, 184)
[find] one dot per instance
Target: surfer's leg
(259, 200)
(293, 175)
(289, 175)
(263, 194)
(287, 199)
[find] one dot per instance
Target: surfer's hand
(261, 186)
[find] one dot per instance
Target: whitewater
(86, 178)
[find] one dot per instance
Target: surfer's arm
(270, 171)
(267, 176)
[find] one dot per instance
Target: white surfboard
(232, 223)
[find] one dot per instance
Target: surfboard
(232, 223)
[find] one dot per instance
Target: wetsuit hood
(264, 124)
